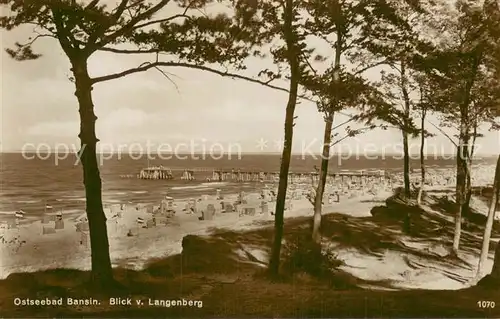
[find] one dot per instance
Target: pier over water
(159, 172)
(221, 175)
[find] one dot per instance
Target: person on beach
(273, 193)
(336, 197)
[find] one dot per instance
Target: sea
(28, 182)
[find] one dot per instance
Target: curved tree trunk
(323, 173)
(101, 263)
(422, 159)
(488, 228)
(292, 51)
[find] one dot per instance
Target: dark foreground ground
(225, 273)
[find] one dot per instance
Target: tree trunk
(406, 121)
(327, 140)
(487, 230)
(422, 159)
(406, 152)
(468, 187)
(323, 173)
(462, 172)
(101, 264)
(274, 261)
(468, 195)
(406, 174)
(406, 166)
(293, 53)
(462, 154)
(495, 271)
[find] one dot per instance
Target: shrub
(304, 255)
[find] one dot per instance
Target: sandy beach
(31, 250)
(26, 248)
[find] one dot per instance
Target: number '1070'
(486, 304)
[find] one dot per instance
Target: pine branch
(126, 51)
(177, 16)
(344, 123)
(120, 9)
(352, 134)
(148, 65)
(132, 24)
(368, 67)
(443, 132)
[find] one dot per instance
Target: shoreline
(136, 191)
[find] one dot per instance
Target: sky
(146, 111)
